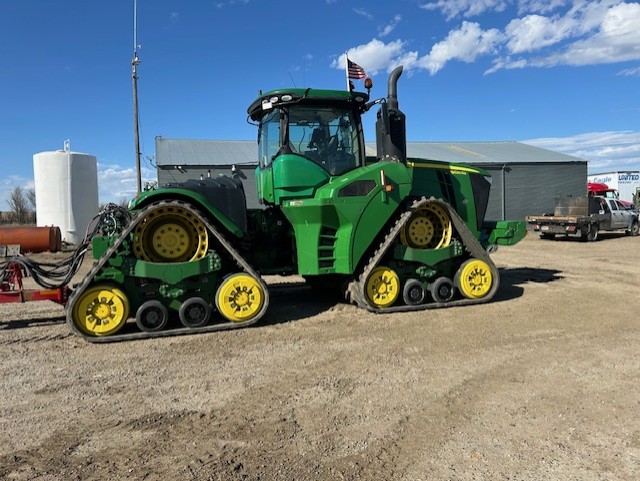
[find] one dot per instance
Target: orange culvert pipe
(32, 239)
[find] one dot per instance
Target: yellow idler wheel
(474, 279)
(101, 310)
(240, 297)
(428, 228)
(383, 287)
(170, 234)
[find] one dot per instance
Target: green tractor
(391, 233)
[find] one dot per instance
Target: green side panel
(118, 268)
(289, 177)
(505, 232)
(295, 177)
(429, 257)
(264, 185)
(200, 202)
(450, 182)
(172, 273)
(335, 228)
(100, 244)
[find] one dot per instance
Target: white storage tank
(66, 186)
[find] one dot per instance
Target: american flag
(355, 70)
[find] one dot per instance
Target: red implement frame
(11, 289)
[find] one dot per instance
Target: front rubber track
(357, 288)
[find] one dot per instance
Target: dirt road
(541, 384)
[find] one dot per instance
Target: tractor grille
(326, 247)
(446, 186)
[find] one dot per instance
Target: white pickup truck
(584, 217)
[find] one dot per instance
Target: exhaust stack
(391, 134)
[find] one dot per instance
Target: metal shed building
(526, 179)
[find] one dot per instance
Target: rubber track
(97, 266)
(357, 288)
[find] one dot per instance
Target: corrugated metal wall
(531, 189)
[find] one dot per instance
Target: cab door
(626, 215)
(618, 219)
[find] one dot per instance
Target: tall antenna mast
(134, 79)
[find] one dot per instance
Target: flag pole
(346, 71)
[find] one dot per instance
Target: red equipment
(12, 290)
(603, 190)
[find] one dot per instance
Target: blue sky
(563, 75)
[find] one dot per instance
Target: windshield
(327, 136)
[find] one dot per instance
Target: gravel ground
(540, 384)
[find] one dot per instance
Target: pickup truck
(584, 217)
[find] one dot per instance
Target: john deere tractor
(392, 233)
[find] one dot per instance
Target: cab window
(269, 138)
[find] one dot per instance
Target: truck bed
(564, 219)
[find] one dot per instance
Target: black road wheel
(442, 289)
(413, 292)
(194, 312)
(152, 316)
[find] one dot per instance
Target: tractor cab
(306, 137)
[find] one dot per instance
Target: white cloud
(618, 39)
(596, 32)
(615, 150)
(116, 183)
(586, 33)
(471, 8)
(630, 72)
(363, 13)
(534, 32)
(539, 6)
(390, 27)
(373, 56)
(9, 183)
(466, 44)
(468, 8)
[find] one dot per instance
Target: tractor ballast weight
(393, 233)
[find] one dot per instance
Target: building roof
(181, 152)
(505, 152)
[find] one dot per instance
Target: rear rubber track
(242, 264)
